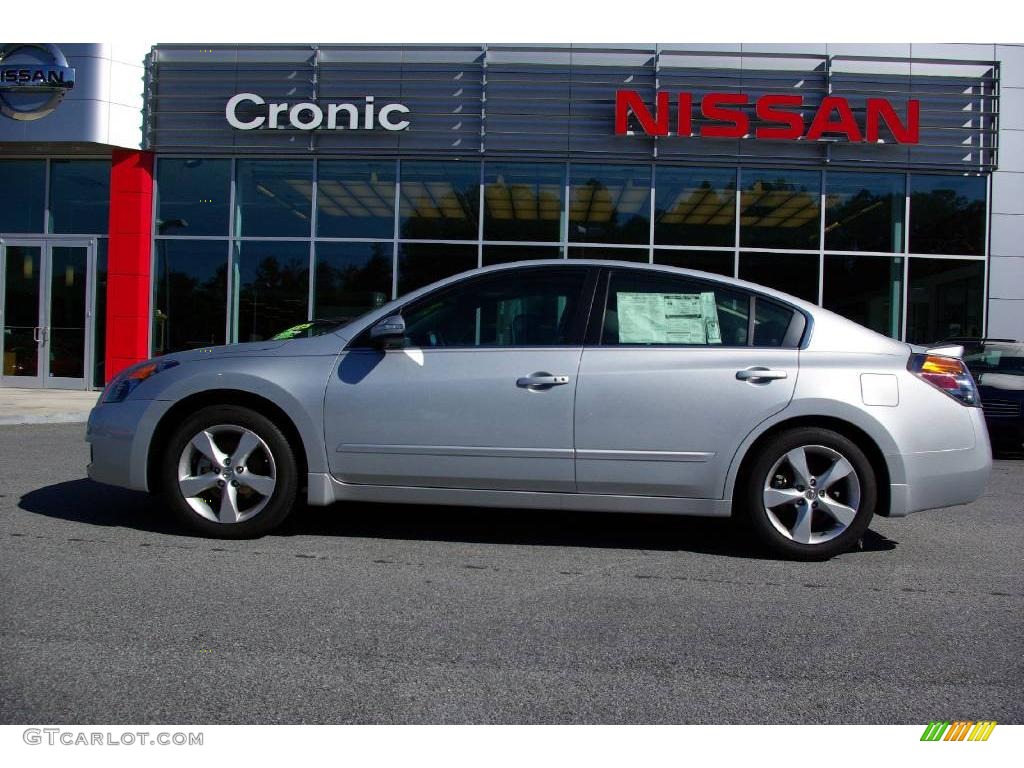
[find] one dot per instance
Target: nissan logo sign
(33, 79)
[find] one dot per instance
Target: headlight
(127, 380)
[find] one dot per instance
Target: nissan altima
(564, 385)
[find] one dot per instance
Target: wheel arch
(192, 403)
(854, 432)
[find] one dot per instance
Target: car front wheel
(809, 494)
(229, 472)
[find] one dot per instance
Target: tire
(210, 491)
(835, 483)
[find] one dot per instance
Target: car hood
(229, 350)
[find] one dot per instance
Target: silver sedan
(578, 385)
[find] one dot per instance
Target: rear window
(662, 310)
(771, 323)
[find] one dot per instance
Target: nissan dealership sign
(249, 111)
(780, 116)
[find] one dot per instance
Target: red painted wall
(129, 260)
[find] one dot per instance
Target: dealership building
(180, 196)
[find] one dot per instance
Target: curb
(72, 417)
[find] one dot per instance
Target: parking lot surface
(111, 613)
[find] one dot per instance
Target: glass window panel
(695, 206)
(189, 294)
(793, 273)
(864, 211)
(440, 200)
(523, 201)
(945, 299)
(271, 282)
(80, 196)
(610, 204)
(22, 195)
(641, 255)
(947, 214)
(99, 339)
(68, 297)
(355, 199)
(274, 198)
(658, 310)
(867, 290)
(193, 196)
(719, 262)
(780, 209)
(500, 254)
(420, 264)
(22, 267)
(351, 278)
(519, 309)
(771, 322)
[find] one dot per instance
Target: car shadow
(85, 501)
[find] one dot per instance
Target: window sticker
(668, 318)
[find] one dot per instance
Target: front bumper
(118, 435)
(944, 478)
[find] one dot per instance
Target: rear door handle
(760, 374)
(536, 380)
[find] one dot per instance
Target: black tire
(751, 505)
(275, 507)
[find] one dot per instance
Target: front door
(46, 313)
(479, 396)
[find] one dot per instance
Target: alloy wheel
(227, 473)
(812, 494)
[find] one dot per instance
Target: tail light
(947, 374)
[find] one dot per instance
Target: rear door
(678, 374)
(481, 394)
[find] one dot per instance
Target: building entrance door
(46, 312)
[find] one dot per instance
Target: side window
(655, 310)
(771, 323)
(518, 308)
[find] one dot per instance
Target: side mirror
(390, 329)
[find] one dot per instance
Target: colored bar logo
(959, 730)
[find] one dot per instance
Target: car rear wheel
(229, 472)
(809, 494)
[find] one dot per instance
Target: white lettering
(295, 115)
(275, 110)
(232, 105)
(332, 116)
(306, 116)
(384, 116)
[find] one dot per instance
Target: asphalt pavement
(110, 613)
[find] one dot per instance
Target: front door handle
(541, 381)
(760, 374)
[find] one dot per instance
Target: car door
(676, 377)
(479, 395)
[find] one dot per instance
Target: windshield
(997, 358)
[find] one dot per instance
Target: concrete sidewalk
(45, 406)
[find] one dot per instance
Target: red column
(129, 260)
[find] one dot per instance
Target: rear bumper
(944, 478)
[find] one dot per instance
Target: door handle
(760, 374)
(538, 380)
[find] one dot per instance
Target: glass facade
(332, 238)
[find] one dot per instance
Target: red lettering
(880, 110)
(685, 120)
(712, 107)
(766, 111)
(823, 122)
(630, 101)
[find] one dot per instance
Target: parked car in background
(562, 384)
(998, 368)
